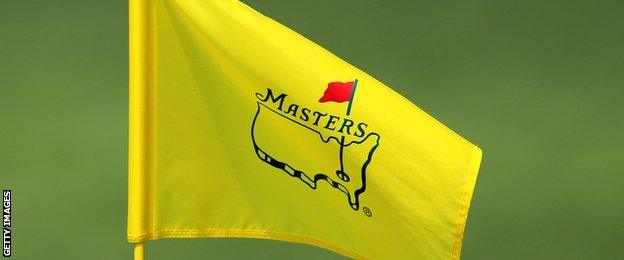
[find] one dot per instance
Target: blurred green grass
(537, 84)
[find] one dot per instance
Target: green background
(537, 84)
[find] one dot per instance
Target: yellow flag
(240, 127)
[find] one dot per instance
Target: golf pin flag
(240, 127)
(338, 92)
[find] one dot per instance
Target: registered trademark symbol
(367, 212)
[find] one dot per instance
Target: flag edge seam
(462, 215)
(241, 233)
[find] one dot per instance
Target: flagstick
(139, 251)
(140, 21)
(342, 139)
(352, 96)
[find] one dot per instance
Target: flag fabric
(228, 139)
(338, 92)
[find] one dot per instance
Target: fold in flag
(228, 138)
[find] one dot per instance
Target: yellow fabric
(211, 154)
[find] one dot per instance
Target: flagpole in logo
(340, 92)
(352, 96)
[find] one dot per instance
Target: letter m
(269, 95)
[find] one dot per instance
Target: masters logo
(282, 129)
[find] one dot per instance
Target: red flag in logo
(338, 92)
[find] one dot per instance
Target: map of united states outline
(311, 179)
